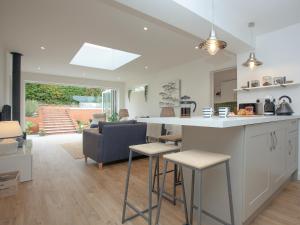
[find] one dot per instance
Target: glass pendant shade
(252, 62)
(212, 45)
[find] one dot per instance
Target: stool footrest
(213, 216)
(138, 212)
(169, 197)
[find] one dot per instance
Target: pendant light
(252, 62)
(212, 45)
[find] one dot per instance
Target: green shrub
(114, 118)
(58, 94)
(29, 126)
(80, 126)
(31, 107)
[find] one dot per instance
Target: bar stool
(176, 139)
(152, 150)
(197, 161)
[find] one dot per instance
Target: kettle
(284, 108)
(186, 103)
(269, 107)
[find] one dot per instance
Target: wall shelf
(267, 87)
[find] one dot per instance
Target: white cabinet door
(278, 156)
(292, 152)
(257, 167)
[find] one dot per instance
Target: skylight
(100, 57)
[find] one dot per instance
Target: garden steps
(56, 121)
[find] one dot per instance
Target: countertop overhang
(216, 122)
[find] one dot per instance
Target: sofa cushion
(102, 123)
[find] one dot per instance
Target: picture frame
(170, 93)
(255, 83)
(278, 80)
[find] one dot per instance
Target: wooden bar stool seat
(198, 161)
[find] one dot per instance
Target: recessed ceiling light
(145, 28)
(197, 47)
(146, 67)
(39, 68)
(100, 57)
(43, 48)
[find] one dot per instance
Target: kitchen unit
(264, 155)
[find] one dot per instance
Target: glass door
(109, 102)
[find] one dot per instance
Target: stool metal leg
(161, 191)
(174, 184)
(156, 174)
(199, 215)
(192, 198)
(184, 199)
(229, 192)
(126, 186)
(158, 183)
(150, 192)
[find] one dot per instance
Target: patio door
(109, 101)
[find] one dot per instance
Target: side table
(20, 161)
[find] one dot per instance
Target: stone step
(59, 129)
(57, 121)
(54, 112)
(50, 116)
(60, 132)
(66, 120)
(58, 126)
(44, 115)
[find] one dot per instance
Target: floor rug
(74, 149)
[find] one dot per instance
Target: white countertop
(216, 122)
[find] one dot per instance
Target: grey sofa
(112, 144)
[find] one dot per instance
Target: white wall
(48, 78)
(280, 53)
(195, 79)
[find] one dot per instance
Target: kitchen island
(264, 156)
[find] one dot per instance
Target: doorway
(59, 108)
(223, 84)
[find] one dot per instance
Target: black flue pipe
(16, 86)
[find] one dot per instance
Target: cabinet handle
(272, 141)
(276, 140)
(291, 147)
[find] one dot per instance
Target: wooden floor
(69, 192)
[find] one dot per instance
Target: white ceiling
(62, 26)
(231, 17)
(234, 15)
(175, 27)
